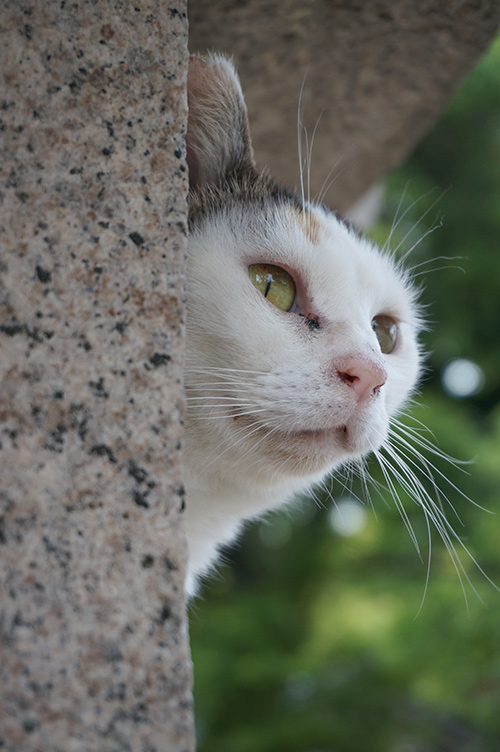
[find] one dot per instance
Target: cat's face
(297, 391)
(301, 337)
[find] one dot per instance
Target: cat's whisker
(229, 386)
(305, 160)
(337, 173)
(415, 494)
(222, 398)
(319, 197)
(324, 190)
(397, 220)
(415, 489)
(429, 472)
(420, 428)
(348, 471)
(410, 250)
(380, 488)
(236, 469)
(233, 416)
(433, 508)
(309, 157)
(411, 269)
(405, 462)
(438, 269)
(417, 223)
(416, 435)
(385, 465)
(413, 440)
(217, 401)
(245, 434)
(233, 445)
(254, 445)
(364, 477)
(428, 567)
(317, 499)
(223, 370)
(299, 140)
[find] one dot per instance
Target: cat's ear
(218, 137)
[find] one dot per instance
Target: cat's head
(302, 338)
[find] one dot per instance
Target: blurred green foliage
(316, 642)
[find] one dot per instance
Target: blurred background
(322, 635)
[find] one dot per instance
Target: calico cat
(302, 339)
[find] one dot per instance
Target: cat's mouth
(329, 436)
(332, 437)
(318, 448)
(343, 440)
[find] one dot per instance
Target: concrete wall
(375, 75)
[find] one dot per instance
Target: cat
(302, 340)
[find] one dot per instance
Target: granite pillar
(93, 638)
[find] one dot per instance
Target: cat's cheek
(368, 435)
(403, 379)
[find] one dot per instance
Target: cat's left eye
(386, 331)
(275, 284)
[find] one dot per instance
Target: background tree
(313, 631)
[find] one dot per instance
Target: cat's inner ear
(218, 138)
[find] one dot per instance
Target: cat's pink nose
(365, 378)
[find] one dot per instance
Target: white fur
(268, 415)
(282, 370)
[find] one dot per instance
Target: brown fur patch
(312, 227)
(309, 223)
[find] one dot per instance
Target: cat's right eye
(386, 331)
(275, 284)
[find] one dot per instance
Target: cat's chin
(334, 444)
(312, 451)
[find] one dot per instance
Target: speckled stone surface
(93, 640)
(376, 75)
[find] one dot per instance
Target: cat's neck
(217, 509)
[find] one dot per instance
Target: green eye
(274, 283)
(386, 331)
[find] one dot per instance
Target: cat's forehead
(337, 266)
(255, 221)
